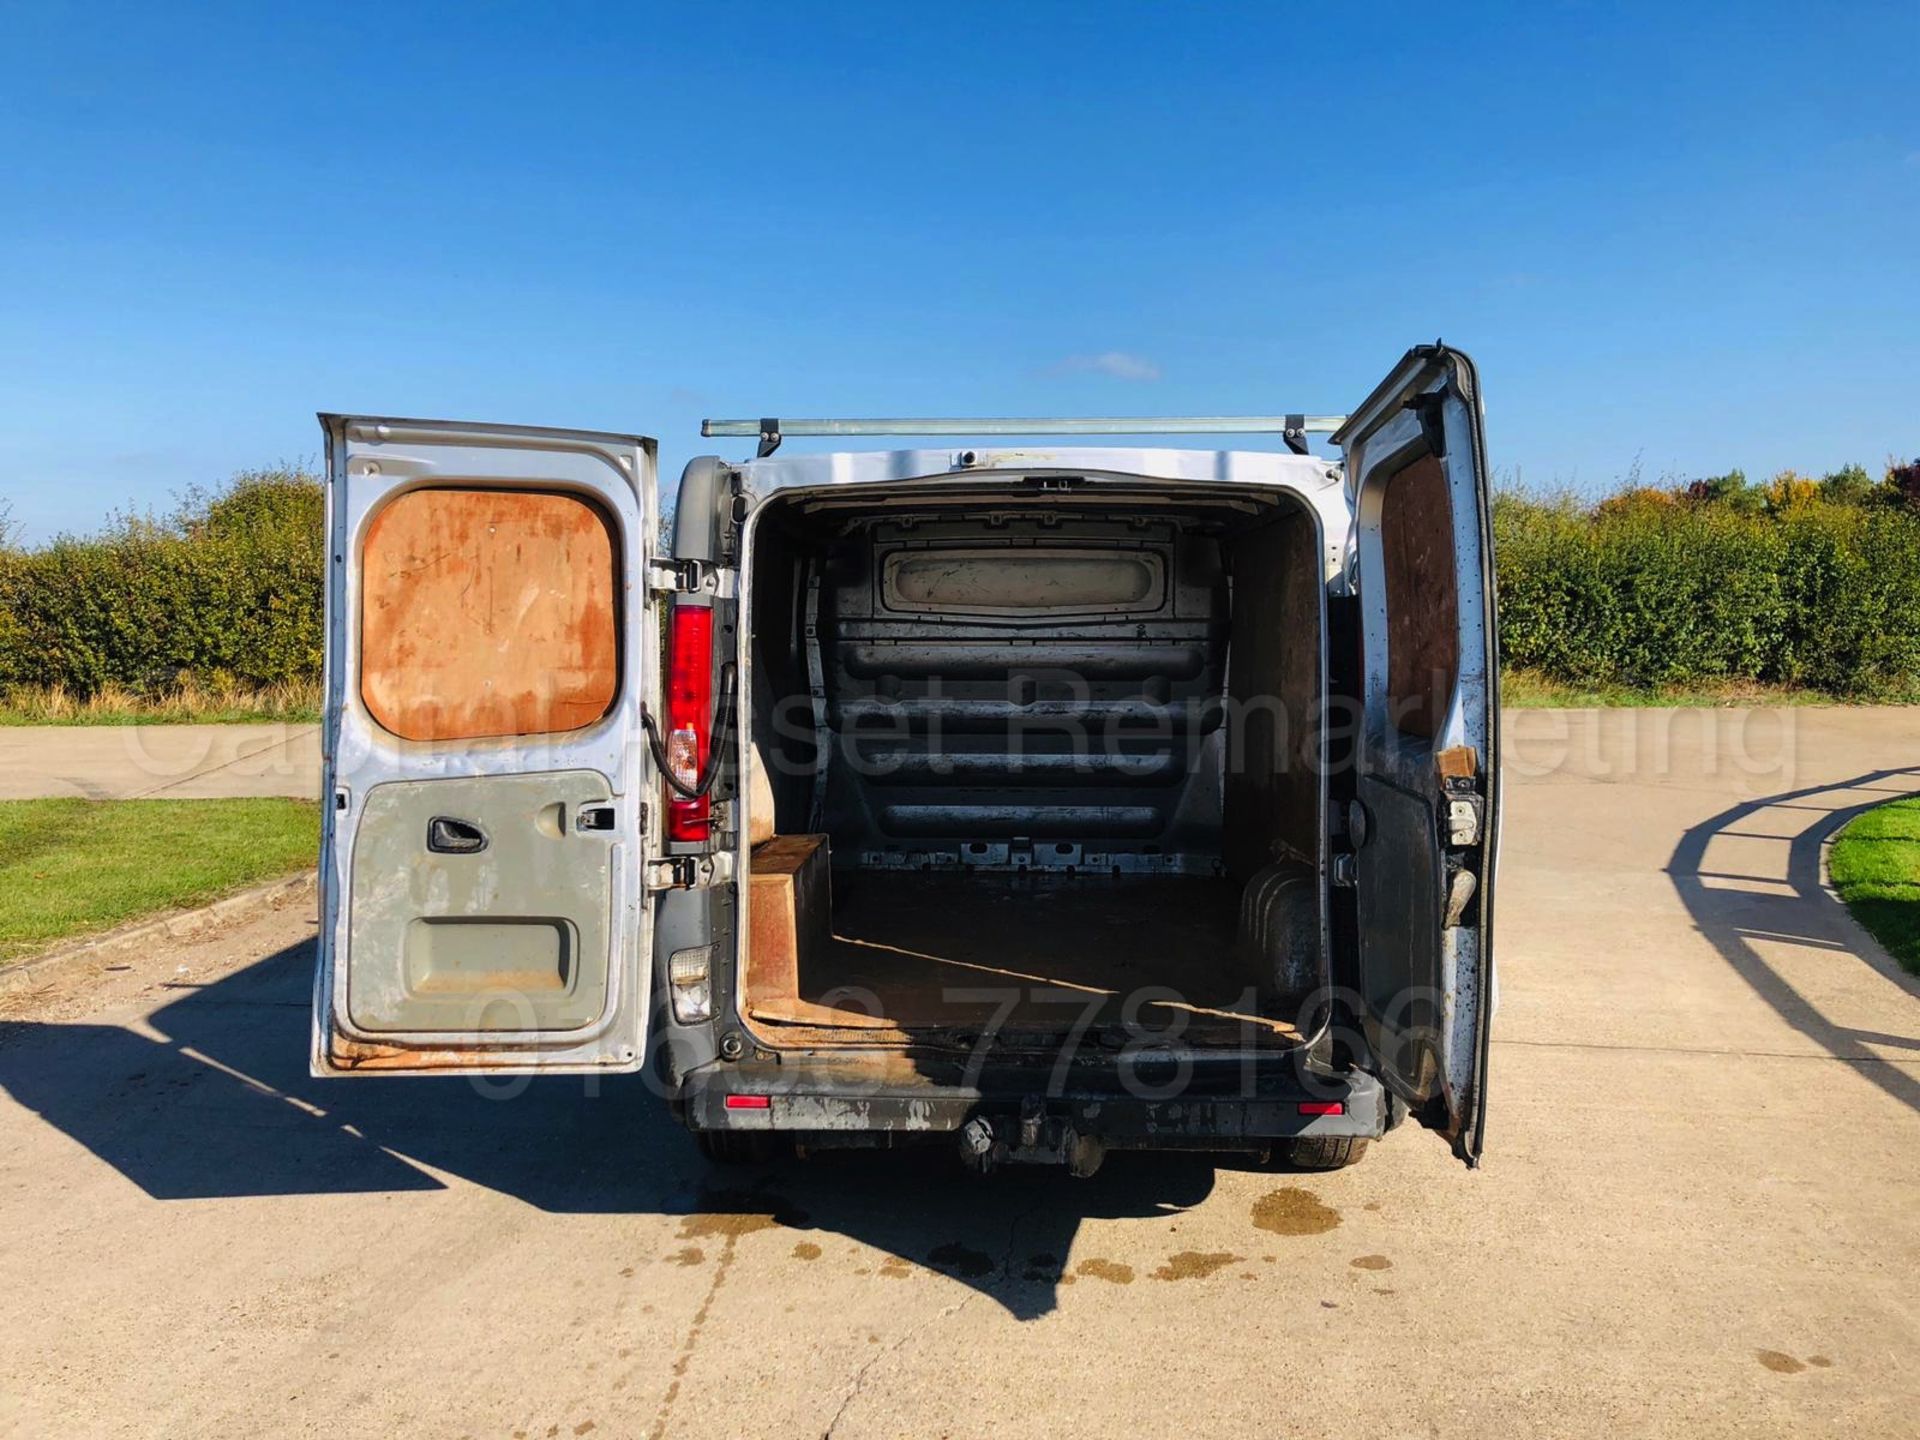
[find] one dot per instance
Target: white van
(1034, 801)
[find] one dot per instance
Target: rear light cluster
(690, 984)
(689, 716)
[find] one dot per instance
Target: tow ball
(1035, 1139)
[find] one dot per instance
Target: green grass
(1875, 865)
(71, 867)
(1529, 689)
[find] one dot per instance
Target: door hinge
(691, 577)
(1430, 409)
(690, 872)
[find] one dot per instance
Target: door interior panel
(513, 936)
(1400, 911)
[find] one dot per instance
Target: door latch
(1463, 813)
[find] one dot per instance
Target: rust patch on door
(487, 612)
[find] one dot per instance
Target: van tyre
(1322, 1152)
(739, 1147)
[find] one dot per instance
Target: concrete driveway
(1699, 1214)
(172, 762)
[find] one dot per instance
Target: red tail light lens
(689, 716)
(1323, 1107)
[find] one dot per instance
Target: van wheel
(738, 1147)
(1322, 1152)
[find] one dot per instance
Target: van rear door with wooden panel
(489, 653)
(1425, 820)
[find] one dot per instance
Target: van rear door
(1426, 815)
(490, 646)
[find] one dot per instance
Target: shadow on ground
(1738, 912)
(217, 1102)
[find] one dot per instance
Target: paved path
(174, 762)
(1699, 1215)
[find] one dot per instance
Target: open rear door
(1426, 819)
(490, 645)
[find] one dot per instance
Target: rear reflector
(689, 715)
(749, 1102)
(1323, 1107)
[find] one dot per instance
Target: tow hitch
(1036, 1139)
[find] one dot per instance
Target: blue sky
(1687, 241)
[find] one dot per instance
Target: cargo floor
(914, 950)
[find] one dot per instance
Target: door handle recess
(448, 836)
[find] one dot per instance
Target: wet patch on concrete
(1293, 1211)
(806, 1250)
(1371, 1262)
(958, 1259)
(1114, 1272)
(1042, 1269)
(1819, 1362)
(729, 1214)
(1779, 1363)
(1195, 1264)
(692, 1255)
(894, 1268)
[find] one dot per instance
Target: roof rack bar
(1110, 425)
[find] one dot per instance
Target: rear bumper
(790, 1098)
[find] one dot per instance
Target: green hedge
(1653, 587)
(1803, 583)
(227, 591)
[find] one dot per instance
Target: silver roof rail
(1292, 428)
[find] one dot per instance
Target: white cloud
(1117, 363)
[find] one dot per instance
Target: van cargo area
(1040, 759)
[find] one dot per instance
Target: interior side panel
(781, 703)
(1274, 686)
